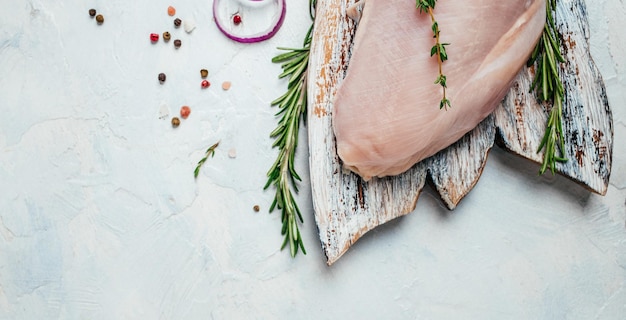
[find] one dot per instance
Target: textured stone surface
(100, 217)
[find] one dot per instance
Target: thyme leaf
(438, 50)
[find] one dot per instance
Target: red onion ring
(223, 14)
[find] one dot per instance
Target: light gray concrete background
(101, 218)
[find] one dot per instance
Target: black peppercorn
(166, 36)
(177, 43)
(175, 122)
(177, 22)
(92, 12)
(100, 19)
(162, 77)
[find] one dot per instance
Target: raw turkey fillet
(386, 114)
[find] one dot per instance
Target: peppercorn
(166, 36)
(226, 85)
(236, 19)
(205, 84)
(162, 77)
(185, 111)
(256, 208)
(154, 37)
(100, 19)
(92, 12)
(171, 11)
(175, 122)
(204, 73)
(177, 22)
(177, 43)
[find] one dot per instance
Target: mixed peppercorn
(185, 111)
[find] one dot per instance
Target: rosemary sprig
(438, 50)
(210, 152)
(549, 87)
(292, 106)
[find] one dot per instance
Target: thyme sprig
(438, 50)
(292, 108)
(210, 152)
(549, 88)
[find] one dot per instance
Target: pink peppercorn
(205, 84)
(236, 19)
(184, 112)
(154, 37)
(171, 11)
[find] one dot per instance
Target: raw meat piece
(386, 114)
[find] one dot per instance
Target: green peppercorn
(100, 19)
(92, 12)
(175, 122)
(166, 36)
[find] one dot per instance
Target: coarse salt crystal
(189, 25)
(164, 112)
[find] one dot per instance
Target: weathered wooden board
(346, 207)
(588, 122)
(455, 170)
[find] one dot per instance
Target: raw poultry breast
(386, 114)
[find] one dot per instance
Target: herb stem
(439, 49)
(444, 86)
(549, 89)
(432, 19)
(210, 152)
(292, 108)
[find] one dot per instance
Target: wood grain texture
(588, 122)
(346, 207)
(455, 170)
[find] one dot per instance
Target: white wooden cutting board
(346, 207)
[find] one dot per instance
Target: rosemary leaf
(549, 88)
(210, 152)
(292, 109)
